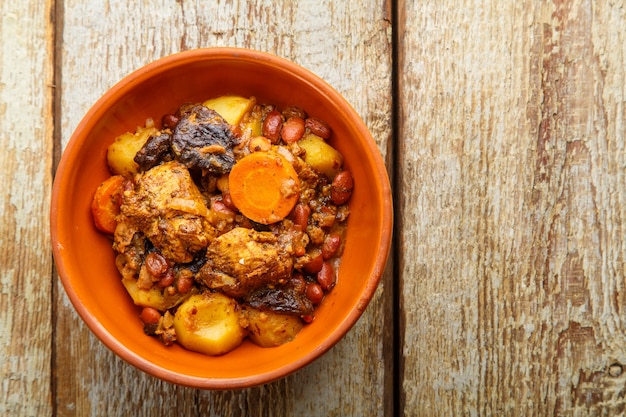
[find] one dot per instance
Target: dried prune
(280, 300)
(155, 151)
(203, 139)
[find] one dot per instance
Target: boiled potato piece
(321, 156)
(232, 108)
(270, 329)
(154, 297)
(121, 153)
(252, 128)
(209, 323)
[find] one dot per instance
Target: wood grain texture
(511, 199)
(26, 140)
(346, 44)
(512, 170)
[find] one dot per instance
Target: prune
(281, 300)
(155, 151)
(203, 139)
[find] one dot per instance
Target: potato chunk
(121, 153)
(270, 329)
(209, 323)
(232, 108)
(154, 297)
(321, 156)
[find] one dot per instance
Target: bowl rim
(116, 93)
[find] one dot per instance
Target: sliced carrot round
(105, 205)
(264, 187)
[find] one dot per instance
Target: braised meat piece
(310, 181)
(167, 207)
(243, 260)
(130, 260)
(203, 139)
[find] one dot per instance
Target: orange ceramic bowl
(84, 257)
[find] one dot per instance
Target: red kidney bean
(169, 121)
(272, 125)
(326, 276)
(167, 279)
(331, 244)
(292, 130)
(308, 318)
(293, 111)
(317, 127)
(301, 215)
(341, 188)
(184, 283)
(156, 264)
(228, 201)
(314, 293)
(150, 315)
(315, 264)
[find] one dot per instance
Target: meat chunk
(243, 260)
(167, 207)
(202, 139)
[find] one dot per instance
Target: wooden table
(503, 126)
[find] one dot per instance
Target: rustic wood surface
(26, 156)
(502, 124)
(513, 208)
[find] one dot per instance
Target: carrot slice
(105, 205)
(264, 186)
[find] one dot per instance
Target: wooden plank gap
(397, 376)
(56, 18)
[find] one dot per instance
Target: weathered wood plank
(513, 205)
(26, 131)
(346, 44)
